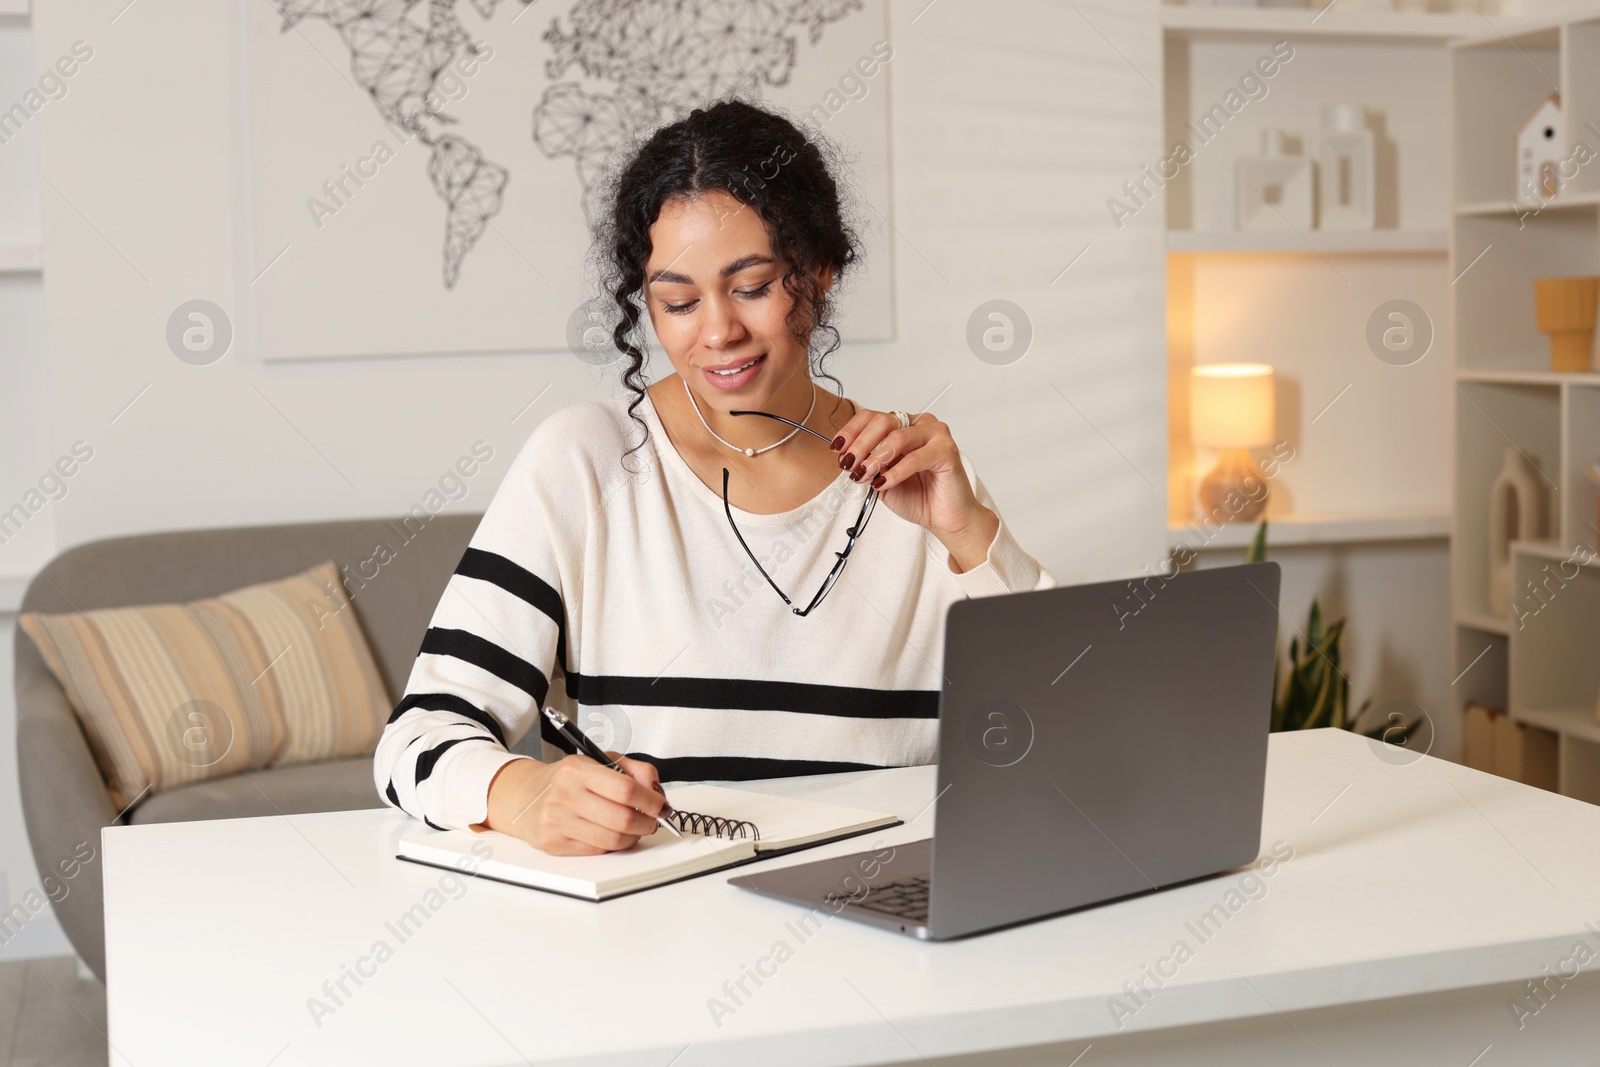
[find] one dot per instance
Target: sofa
(64, 797)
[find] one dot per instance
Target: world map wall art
(421, 175)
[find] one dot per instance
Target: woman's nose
(719, 326)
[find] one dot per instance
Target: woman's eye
(749, 294)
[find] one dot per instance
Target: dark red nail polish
(847, 462)
(877, 483)
(859, 473)
(838, 443)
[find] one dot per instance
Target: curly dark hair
(761, 159)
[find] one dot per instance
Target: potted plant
(1317, 691)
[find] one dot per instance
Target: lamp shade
(1230, 405)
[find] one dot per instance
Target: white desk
(1425, 878)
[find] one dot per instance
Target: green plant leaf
(1316, 691)
(1323, 704)
(1257, 552)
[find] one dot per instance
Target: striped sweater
(623, 599)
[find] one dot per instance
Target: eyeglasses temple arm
(867, 504)
(780, 418)
(728, 509)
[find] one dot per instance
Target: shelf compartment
(1555, 616)
(1567, 721)
(1489, 418)
(1403, 84)
(1496, 81)
(1580, 102)
(1328, 242)
(1480, 674)
(1496, 261)
(1578, 767)
(1580, 508)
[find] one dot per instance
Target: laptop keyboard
(907, 899)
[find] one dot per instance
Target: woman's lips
(737, 380)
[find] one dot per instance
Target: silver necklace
(750, 451)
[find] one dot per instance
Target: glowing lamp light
(1231, 410)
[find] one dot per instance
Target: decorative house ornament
(1347, 170)
(1538, 144)
(1273, 189)
(1565, 309)
(1513, 516)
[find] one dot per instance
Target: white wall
(25, 444)
(1000, 175)
(1011, 124)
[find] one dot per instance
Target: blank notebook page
(655, 859)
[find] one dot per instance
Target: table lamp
(1230, 410)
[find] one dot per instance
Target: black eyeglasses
(854, 531)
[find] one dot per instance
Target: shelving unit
(1540, 662)
(1360, 516)
(1299, 299)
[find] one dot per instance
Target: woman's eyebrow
(672, 277)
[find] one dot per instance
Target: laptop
(1095, 742)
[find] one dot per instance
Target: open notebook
(721, 828)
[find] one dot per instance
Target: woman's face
(717, 303)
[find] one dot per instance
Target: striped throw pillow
(169, 694)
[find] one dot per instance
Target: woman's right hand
(575, 806)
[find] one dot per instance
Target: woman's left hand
(918, 471)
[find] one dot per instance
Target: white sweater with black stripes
(624, 600)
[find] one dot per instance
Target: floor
(49, 1017)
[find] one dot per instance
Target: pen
(580, 741)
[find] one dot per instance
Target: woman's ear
(825, 278)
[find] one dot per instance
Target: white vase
(1513, 516)
(1347, 171)
(1272, 190)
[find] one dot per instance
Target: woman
(661, 559)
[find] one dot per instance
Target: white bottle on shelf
(1347, 170)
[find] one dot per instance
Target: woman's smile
(732, 376)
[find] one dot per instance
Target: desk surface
(1403, 878)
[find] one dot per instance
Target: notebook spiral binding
(692, 822)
